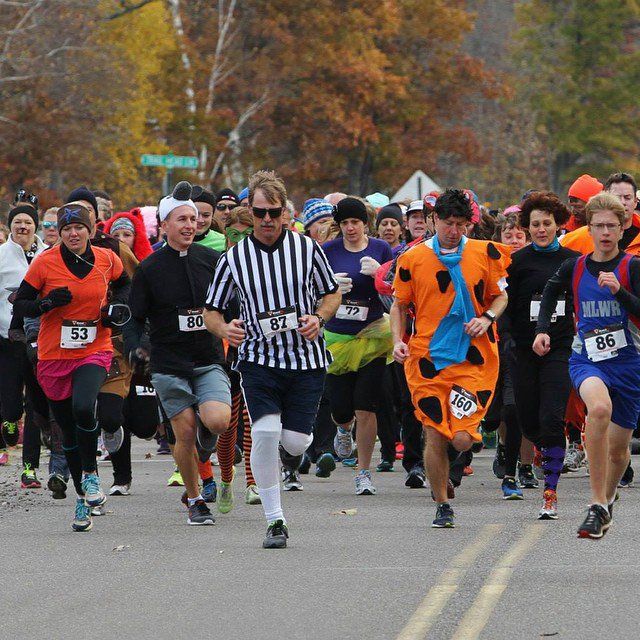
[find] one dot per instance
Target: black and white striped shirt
(293, 272)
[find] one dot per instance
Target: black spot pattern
(443, 278)
(431, 408)
(427, 368)
(478, 290)
(474, 356)
(492, 252)
(405, 274)
(491, 334)
(484, 396)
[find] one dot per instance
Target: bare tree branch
(127, 8)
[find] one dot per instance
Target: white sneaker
(291, 481)
(573, 458)
(113, 441)
(251, 495)
(120, 490)
(343, 443)
(364, 486)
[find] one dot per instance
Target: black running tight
(76, 418)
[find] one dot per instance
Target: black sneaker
(305, 465)
(596, 523)
(277, 534)
(627, 477)
(325, 464)
(415, 478)
(444, 517)
(499, 462)
(58, 486)
(527, 478)
(199, 514)
(10, 433)
(205, 441)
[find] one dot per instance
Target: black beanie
(227, 194)
(82, 193)
(200, 194)
(23, 208)
(390, 211)
(350, 207)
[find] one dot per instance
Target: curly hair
(546, 201)
(453, 202)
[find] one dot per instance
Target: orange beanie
(585, 187)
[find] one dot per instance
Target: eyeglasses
(49, 225)
(274, 212)
(225, 207)
(601, 226)
(22, 195)
(235, 236)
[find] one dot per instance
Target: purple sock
(552, 461)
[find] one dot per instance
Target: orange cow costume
(422, 280)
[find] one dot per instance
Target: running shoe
(416, 478)
(451, 491)
(225, 499)
(120, 489)
(277, 534)
(511, 490)
(399, 450)
(205, 440)
(350, 462)
(163, 447)
(444, 517)
(596, 523)
(364, 486)
(10, 433)
(573, 458)
(82, 517)
(28, 479)
(237, 455)
(305, 465)
(526, 478)
(175, 479)
(499, 462)
(4, 457)
(325, 464)
(291, 480)
(113, 441)
(627, 478)
(384, 467)
(100, 510)
(251, 495)
(199, 514)
(343, 443)
(467, 471)
(93, 494)
(549, 509)
(58, 486)
(210, 490)
(184, 498)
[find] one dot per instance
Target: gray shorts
(206, 384)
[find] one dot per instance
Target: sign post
(169, 162)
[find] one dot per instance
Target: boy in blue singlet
(605, 360)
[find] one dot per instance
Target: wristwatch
(490, 315)
(320, 319)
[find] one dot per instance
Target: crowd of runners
(236, 330)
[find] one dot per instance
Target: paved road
(382, 573)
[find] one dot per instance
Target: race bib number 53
(462, 402)
(76, 334)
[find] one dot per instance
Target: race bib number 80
(462, 403)
(190, 320)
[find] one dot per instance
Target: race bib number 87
(274, 322)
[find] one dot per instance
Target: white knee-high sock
(265, 435)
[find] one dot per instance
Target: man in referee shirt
(279, 277)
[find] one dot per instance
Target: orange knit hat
(585, 187)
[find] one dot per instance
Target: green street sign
(169, 161)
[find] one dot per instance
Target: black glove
(115, 316)
(139, 360)
(56, 298)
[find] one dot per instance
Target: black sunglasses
(274, 212)
(24, 196)
(222, 207)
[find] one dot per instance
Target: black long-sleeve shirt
(630, 300)
(528, 273)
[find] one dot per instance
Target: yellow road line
(438, 596)
(479, 612)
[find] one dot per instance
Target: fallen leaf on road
(147, 456)
(345, 512)
(122, 547)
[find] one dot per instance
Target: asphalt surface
(381, 573)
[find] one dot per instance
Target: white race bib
(190, 320)
(76, 334)
(462, 403)
(353, 310)
(534, 309)
(279, 321)
(142, 390)
(603, 344)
